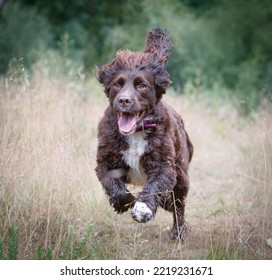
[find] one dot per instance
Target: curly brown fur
(130, 150)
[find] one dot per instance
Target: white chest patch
(137, 145)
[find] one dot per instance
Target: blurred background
(224, 46)
(51, 203)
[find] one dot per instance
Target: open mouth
(128, 121)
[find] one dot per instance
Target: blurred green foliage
(217, 43)
(23, 33)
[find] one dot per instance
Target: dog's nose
(124, 100)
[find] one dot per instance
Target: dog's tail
(158, 43)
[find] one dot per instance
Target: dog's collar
(146, 125)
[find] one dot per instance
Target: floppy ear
(104, 75)
(162, 81)
(159, 44)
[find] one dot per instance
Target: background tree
(217, 43)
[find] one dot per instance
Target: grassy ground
(53, 207)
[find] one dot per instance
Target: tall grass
(53, 207)
(47, 158)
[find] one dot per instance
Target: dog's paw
(122, 202)
(180, 233)
(141, 212)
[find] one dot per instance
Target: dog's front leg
(119, 196)
(157, 185)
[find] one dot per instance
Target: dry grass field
(53, 207)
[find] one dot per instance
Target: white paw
(141, 212)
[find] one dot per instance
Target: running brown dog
(142, 140)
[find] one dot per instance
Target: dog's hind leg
(179, 194)
(174, 202)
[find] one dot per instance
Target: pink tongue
(126, 122)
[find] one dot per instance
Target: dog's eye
(117, 86)
(141, 86)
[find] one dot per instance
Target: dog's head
(135, 81)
